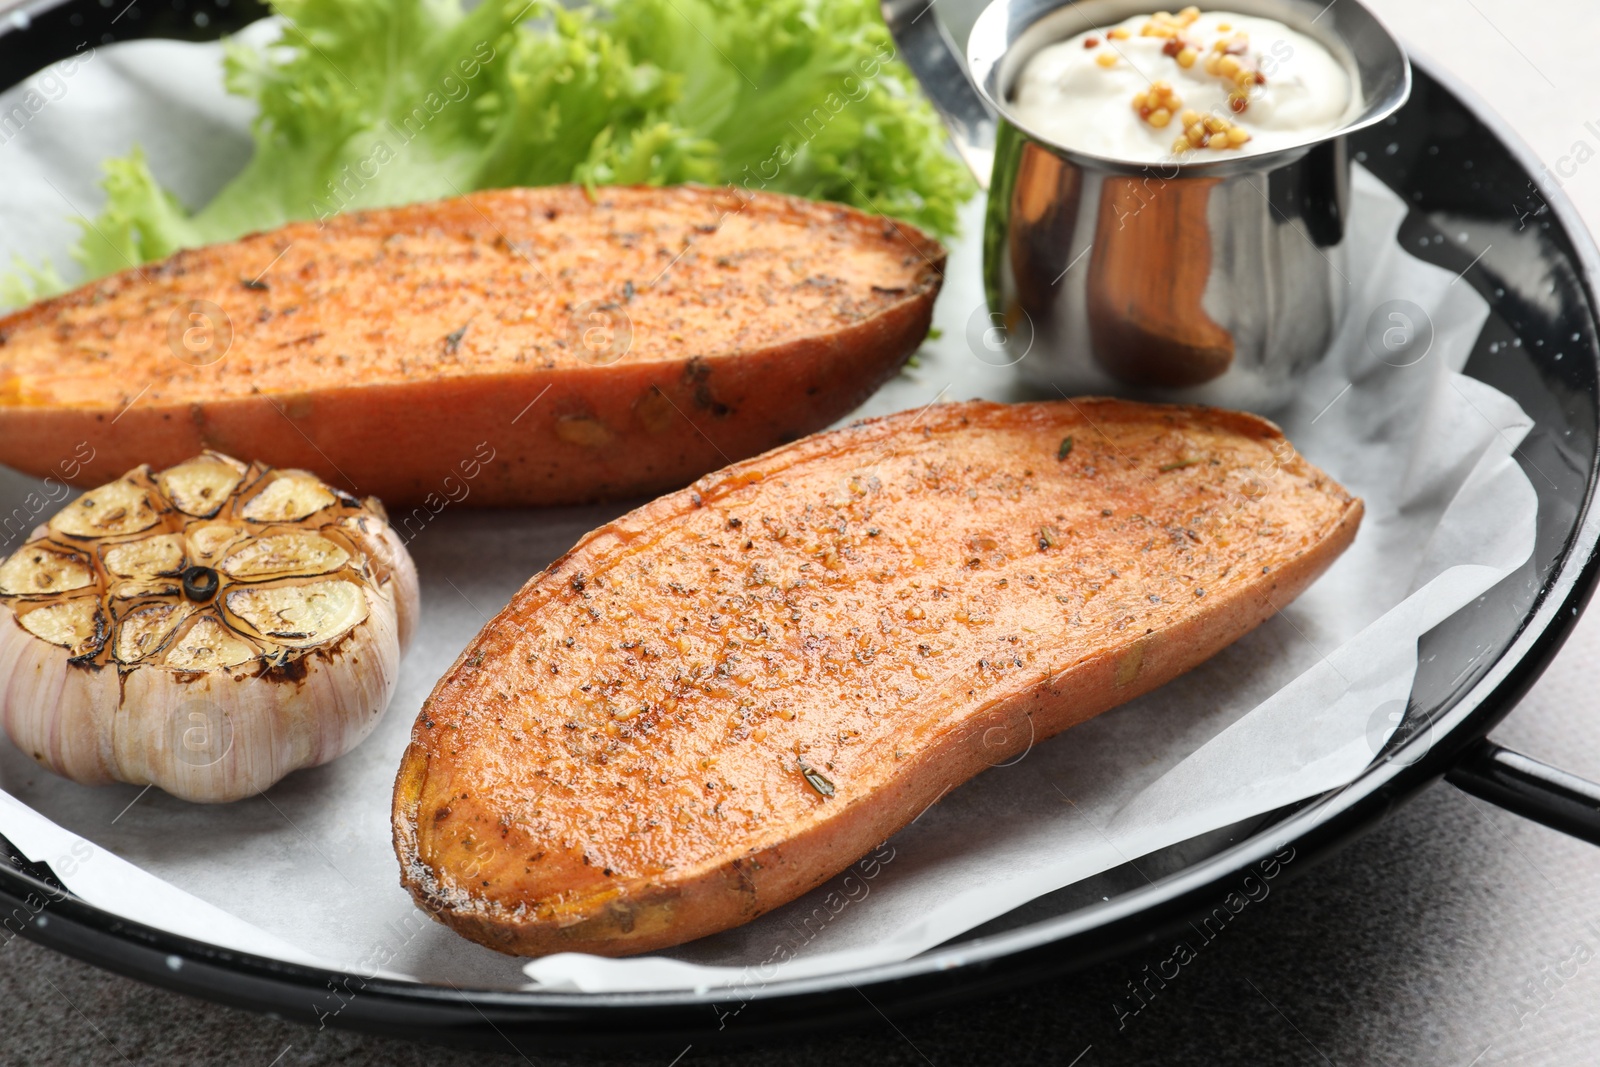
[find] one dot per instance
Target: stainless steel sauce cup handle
(925, 46)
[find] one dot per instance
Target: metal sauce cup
(1214, 280)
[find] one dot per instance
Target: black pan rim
(1077, 939)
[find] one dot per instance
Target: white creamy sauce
(1070, 95)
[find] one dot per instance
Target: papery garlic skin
(238, 623)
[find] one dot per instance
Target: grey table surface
(1452, 934)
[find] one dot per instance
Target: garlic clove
(147, 557)
(284, 555)
(146, 628)
(391, 565)
(114, 510)
(207, 645)
(208, 541)
(291, 496)
(200, 486)
(77, 625)
(141, 588)
(299, 615)
(43, 568)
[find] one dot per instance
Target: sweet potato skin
(436, 351)
(719, 701)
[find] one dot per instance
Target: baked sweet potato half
(720, 700)
(521, 346)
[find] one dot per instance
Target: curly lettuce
(372, 103)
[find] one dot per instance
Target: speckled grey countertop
(1453, 934)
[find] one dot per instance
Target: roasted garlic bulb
(207, 628)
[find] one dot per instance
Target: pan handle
(925, 46)
(1527, 787)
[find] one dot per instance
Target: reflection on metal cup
(1148, 324)
(1171, 285)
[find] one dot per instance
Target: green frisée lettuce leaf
(371, 103)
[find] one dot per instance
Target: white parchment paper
(305, 872)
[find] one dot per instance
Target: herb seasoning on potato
(722, 699)
(603, 345)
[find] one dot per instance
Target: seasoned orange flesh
(495, 282)
(685, 687)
